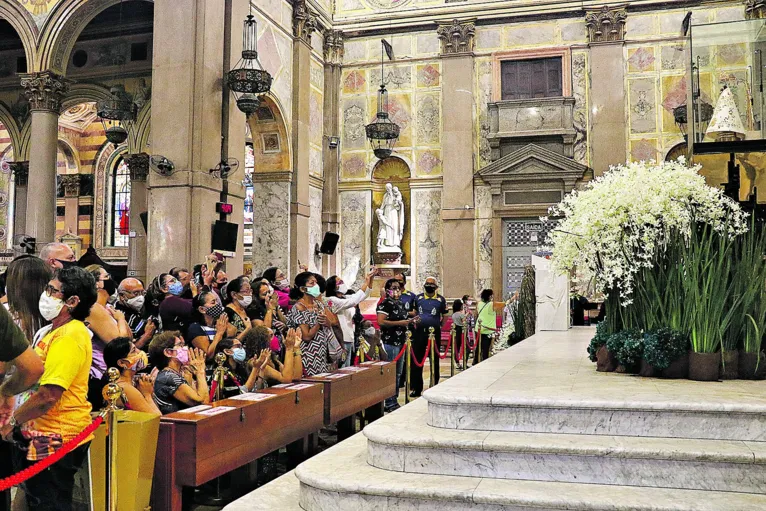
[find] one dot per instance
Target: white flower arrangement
(500, 342)
(616, 223)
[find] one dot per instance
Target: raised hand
(221, 324)
(145, 384)
(290, 339)
(273, 300)
(322, 319)
(197, 360)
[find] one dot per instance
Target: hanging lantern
(249, 79)
(382, 132)
(117, 114)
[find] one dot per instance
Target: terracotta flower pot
(605, 360)
(679, 368)
(730, 365)
(749, 368)
(647, 370)
(704, 366)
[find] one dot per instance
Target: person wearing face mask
(57, 410)
(183, 276)
(130, 301)
(104, 283)
(172, 392)
(236, 366)
(344, 306)
(219, 282)
(394, 320)
(266, 369)
(211, 324)
(123, 354)
(320, 348)
(486, 323)
(58, 255)
(279, 281)
(431, 310)
(238, 296)
(458, 319)
(175, 312)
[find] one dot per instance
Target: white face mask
(50, 307)
(370, 331)
(136, 303)
(343, 288)
(245, 301)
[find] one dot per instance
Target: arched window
(120, 214)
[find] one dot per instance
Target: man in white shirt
(344, 306)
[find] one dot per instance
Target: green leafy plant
(527, 304)
(628, 347)
(598, 340)
(664, 346)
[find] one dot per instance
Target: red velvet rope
(29, 472)
(459, 353)
(401, 352)
(213, 388)
(425, 357)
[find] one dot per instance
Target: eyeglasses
(50, 290)
(106, 276)
(133, 294)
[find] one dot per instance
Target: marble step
(716, 465)
(280, 494)
(341, 479)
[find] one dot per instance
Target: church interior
(424, 138)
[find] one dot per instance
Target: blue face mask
(176, 289)
(238, 354)
(313, 290)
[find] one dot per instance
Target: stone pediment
(530, 164)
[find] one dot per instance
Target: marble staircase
(536, 428)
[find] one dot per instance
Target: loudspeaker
(225, 237)
(329, 242)
(144, 220)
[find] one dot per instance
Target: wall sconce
(333, 142)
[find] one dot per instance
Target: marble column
(44, 91)
(71, 185)
(606, 34)
(333, 61)
(20, 177)
(187, 72)
(138, 165)
(457, 156)
(304, 24)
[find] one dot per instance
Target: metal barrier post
(408, 362)
(432, 359)
(452, 335)
(112, 392)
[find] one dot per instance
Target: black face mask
(110, 287)
(430, 289)
(67, 264)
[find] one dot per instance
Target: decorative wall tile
(354, 81)
(428, 75)
(671, 22)
(673, 95)
(315, 226)
(643, 101)
(732, 54)
(672, 57)
(396, 77)
(428, 119)
(399, 111)
(428, 237)
(644, 149)
(428, 163)
(736, 13)
(637, 26)
(427, 43)
(489, 38)
(315, 161)
(316, 120)
(573, 32)
(354, 233)
(641, 60)
(271, 225)
(353, 119)
(353, 166)
(483, 236)
(354, 50)
(317, 75)
(580, 93)
(267, 52)
(526, 35)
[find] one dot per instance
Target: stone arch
(83, 93)
(26, 28)
(105, 160)
(262, 131)
(6, 118)
(71, 156)
(24, 140)
(62, 28)
(138, 141)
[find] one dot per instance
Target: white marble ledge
(551, 370)
(280, 494)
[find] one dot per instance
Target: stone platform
(537, 428)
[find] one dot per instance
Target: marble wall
(483, 237)
(354, 224)
(271, 225)
(427, 235)
(315, 227)
(316, 118)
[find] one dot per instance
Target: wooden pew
(195, 448)
(351, 390)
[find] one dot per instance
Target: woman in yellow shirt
(57, 410)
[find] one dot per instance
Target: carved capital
(44, 90)
(333, 47)
(755, 9)
(606, 24)
(456, 37)
(304, 21)
(138, 164)
(20, 171)
(71, 184)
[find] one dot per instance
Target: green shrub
(602, 334)
(664, 346)
(628, 347)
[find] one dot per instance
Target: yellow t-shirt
(66, 354)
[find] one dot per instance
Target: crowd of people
(64, 325)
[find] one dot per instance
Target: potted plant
(597, 351)
(667, 351)
(628, 349)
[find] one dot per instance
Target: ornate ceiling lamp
(382, 132)
(117, 112)
(248, 79)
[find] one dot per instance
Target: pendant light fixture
(248, 79)
(383, 132)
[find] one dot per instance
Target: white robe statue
(391, 220)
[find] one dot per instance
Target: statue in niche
(391, 220)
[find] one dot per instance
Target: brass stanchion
(431, 357)
(408, 362)
(452, 350)
(478, 343)
(112, 392)
(219, 375)
(466, 338)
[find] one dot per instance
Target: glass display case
(726, 87)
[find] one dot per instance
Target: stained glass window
(120, 227)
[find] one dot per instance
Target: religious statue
(391, 220)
